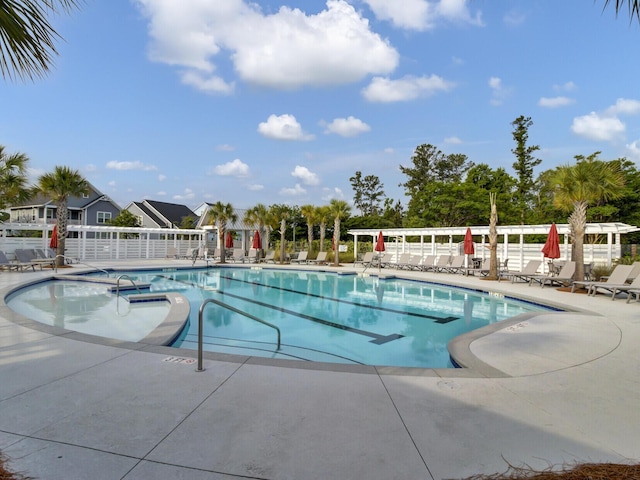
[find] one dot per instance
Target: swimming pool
(323, 316)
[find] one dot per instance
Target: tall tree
(309, 212)
(632, 5)
(13, 178)
(338, 210)
(524, 165)
(258, 215)
(59, 185)
(220, 214)
(27, 38)
(280, 214)
(576, 187)
(368, 193)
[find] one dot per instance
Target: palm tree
(219, 215)
(258, 215)
(310, 213)
(576, 186)
(280, 214)
(633, 6)
(59, 185)
(322, 215)
(13, 179)
(27, 37)
(493, 239)
(339, 210)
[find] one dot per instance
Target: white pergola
(613, 232)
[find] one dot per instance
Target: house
(242, 232)
(154, 214)
(93, 208)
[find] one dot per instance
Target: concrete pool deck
(547, 390)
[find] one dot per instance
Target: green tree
(59, 185)
(125, 219)
(338, 210)
(13, 179)
(280, 214)
(524, 165)
(27, 38)
(188, 222)
(258, 215)
(310, 214)
(368, 193)
(632, 5)
(576, 187)
(221, 214)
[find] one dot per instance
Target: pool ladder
(233, 309)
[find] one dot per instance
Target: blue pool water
(323, 317)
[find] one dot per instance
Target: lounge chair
(483, 269)
(301, 258)
(253, 255)
(270, 257)
(238, 255)
(633, 286)
(321, 259)
(366, 259)
(427, 262)
(618, 276)
(441, 264)
(385, 261)
(564, 277)
(456, 265)
(414, 263)
(531, 268)
(402, 261)
(5, 264)
(28, 257)
(172, 252)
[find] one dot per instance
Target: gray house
(94, 208)
(154, 214)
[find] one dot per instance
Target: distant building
(154, 214)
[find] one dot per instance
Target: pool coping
(171, 327)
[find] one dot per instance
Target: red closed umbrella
(468, 243)
(380, 243)
(229, 241)
(257, 244)
(53, 243)
(551, 248)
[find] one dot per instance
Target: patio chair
(253, 255)
(172, 252)
(564, 277)
(427, 262)
(366, 259)
(238, 255)
(301, 258)
(618, 276)
(414, 263)
(402, 261)
(633, 286)
(385, 261)
(483, 269)
(27, 257)
(270, 257)
(440, 265)
(321, 259)
(5, 264)
(456, 265)
(531, 268)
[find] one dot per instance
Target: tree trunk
(493, 240)
(578, 222)
(223, 255)
(283, 227)
(323, 234)
(310, 235)
(62, 219)
(336, 242)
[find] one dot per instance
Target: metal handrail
(118, 290)
(78, 261)
(233, 309)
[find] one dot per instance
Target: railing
(124, 275)
(233, 309)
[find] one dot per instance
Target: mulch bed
(587, 471)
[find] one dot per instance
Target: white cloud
(161, 178)
(499, 93)
(188, 195)
(331, 193)
(283, 127)
(113, 165)
(90, 167)
(235, 168)
(284, 49)
(225, 148)
(407, 88)
(295, 191)
(304, 174)
(565, 87)
(112, 183)
(162, 194)
(624, 106)
(422, 14)
(255, 187)
(389, 150)
(633, 150)
(555, 102)
(347, 127)
(513, 18)
(453, 140)
(596, 127)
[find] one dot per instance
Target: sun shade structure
(228, 243)
(257, 243)
(53, 243)
(380, 243)
(422, 241)
(468, 243)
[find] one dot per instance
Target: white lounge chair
(531, 268)
(427, 262)
(321, 259)
(618, 276)
(301, 258)
(367, 258)
(564, 277)
(456, 265)
(402, 261)
(238, 255)
(441, 265)
(270, 257)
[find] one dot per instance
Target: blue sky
(282, 101)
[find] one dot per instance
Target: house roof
(165, 214)
(150, 213)
(238, 225)
(73, 203)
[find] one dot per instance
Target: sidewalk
(548, 390)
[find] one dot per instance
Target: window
(85, 195)
(103, 217)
